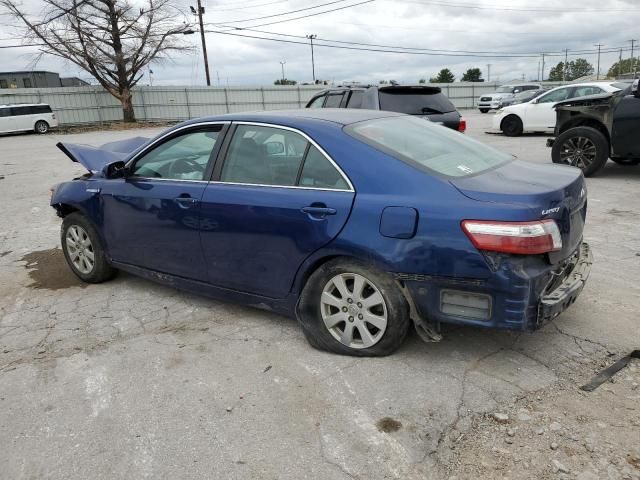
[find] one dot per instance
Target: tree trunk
(128, 114)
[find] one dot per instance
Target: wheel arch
(580, 121)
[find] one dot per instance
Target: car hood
(94, 159)
(546, 191)
(587, 100)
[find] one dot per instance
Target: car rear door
(275, 198)
(626, 125)
(151, 218)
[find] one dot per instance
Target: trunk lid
(546, 191)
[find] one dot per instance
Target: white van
(27, 116)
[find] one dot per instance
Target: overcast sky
(497, 26)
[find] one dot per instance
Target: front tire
(511, 126)
(83, 250)
(41, 127)
(484, 110)
(582, 147)
(349, 308)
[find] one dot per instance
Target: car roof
(589, 84)
(24, 105)
(340, 116)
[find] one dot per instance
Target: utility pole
(633, 62)
(488, 72)
(620, 63)
(199, 12)
(566, 67)
(282, 63)
(313, 67)
(538, 72)
(542, 71)
(598, 70)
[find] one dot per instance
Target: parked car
(36, 117)
(592, 129)
(418, 100)
(493, 101)
(522, 97)
(354, 221)
(538, 115)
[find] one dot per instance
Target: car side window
(264, 156)
(317, 102)
(355, 100)
(334, 100)
(184, 157)
(319, 172)
(555, 96)
(584, 91)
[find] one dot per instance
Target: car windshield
(415, 101)
(505, 89)
(428, 146)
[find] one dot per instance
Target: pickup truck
(589, 130)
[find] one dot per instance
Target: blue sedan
(356, 222)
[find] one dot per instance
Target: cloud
(246, 61)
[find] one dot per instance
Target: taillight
(525, 238)
(462, 125)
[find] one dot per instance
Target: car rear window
(427, 146)
(414, 101)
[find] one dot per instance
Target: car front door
(540, 115)
(275, 199)
(151, 217)
(626, 125)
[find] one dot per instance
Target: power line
(287, 13)
(479, 52)
(223, 25)
(257, 5)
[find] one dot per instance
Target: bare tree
(113, 40)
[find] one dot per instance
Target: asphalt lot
(129, 379)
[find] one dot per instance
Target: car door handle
(185, 201)
(318, 211)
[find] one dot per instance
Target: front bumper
(522, 293)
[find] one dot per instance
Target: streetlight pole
(313, 67)
(282, 63)
(488, 72)
(199, 12)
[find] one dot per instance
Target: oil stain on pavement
(48, 270)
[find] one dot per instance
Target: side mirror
(516, 90)
(115, 170)
(635, 88)
(274, 148)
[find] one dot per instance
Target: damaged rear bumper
(523, 292)
(556, 301)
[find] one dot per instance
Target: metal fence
(81, 105)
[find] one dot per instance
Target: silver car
(493, 101)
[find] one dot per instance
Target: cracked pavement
(130, 379)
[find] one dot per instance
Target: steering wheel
(184, 165)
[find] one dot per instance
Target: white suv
(23, 117)
(493, 101)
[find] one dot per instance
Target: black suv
(589, 130)
(420, 100)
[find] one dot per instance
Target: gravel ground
(130, 379)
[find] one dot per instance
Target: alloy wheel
(353, 310)
(578, 151)
(80, 249)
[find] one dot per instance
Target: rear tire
(484, 110)
(582, 147)
(349, 308)
(511, 126)
(41, 127)
(83, 250)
